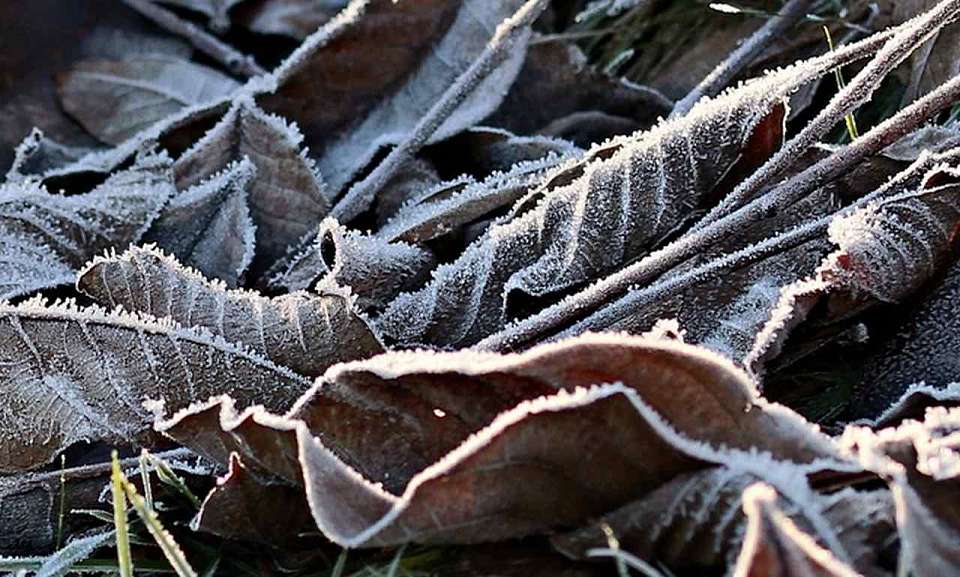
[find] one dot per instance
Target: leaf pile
(379, 274)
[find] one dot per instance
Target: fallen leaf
(116, 99)
(47, 237)
(775, 547)
(404, 422)
(208, 227)
(304, 332)
(921, 463)
(286, 197)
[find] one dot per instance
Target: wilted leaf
(589, 218)
(243, 508)
(430, 212)
(921, 462)
(375, 270)
(38, 44)
(304, 332)
(46, 238)
(887, 250)
(116, 99)
(38, 154)
(72, 374)
(558, 73)
(775, 547)
(286, 198)
(208, 227)
(398, 420)
(936, 61)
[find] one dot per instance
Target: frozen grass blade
(124, 561)
(164, 539)
(168, 477)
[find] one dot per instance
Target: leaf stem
(776, 25)
(234, 60)
(360, 195)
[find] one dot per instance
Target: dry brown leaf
(304, 332)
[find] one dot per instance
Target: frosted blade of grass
(124, 561)
(145, 478)
(164, 539)
(62, 508)
(395, 562)
(63, 561)
(340, 564)
(168, 477)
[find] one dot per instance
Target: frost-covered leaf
(425, 426)
(294, 18)
(39, 43)
(71, 374)
(444, 209)
(208, 227)
(591, 217)
(775, 547)
(936, 61)
(116, 99)
(286, 198)
(241, 507)
(695, 521)
(410, 53)
(375, 270)
(921, 462)
(46, 238)
(913, 404)
(304, 332)
(37, 155)
(886, 251)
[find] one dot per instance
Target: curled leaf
(380, 443)
(208, 227)
(286, 199)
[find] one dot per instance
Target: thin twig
(660, 262)
(234, 60)
(858, 91)
(740, 58)
(359, 197)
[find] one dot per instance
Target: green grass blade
(164, 539)
(124, 561)
(167, 476)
